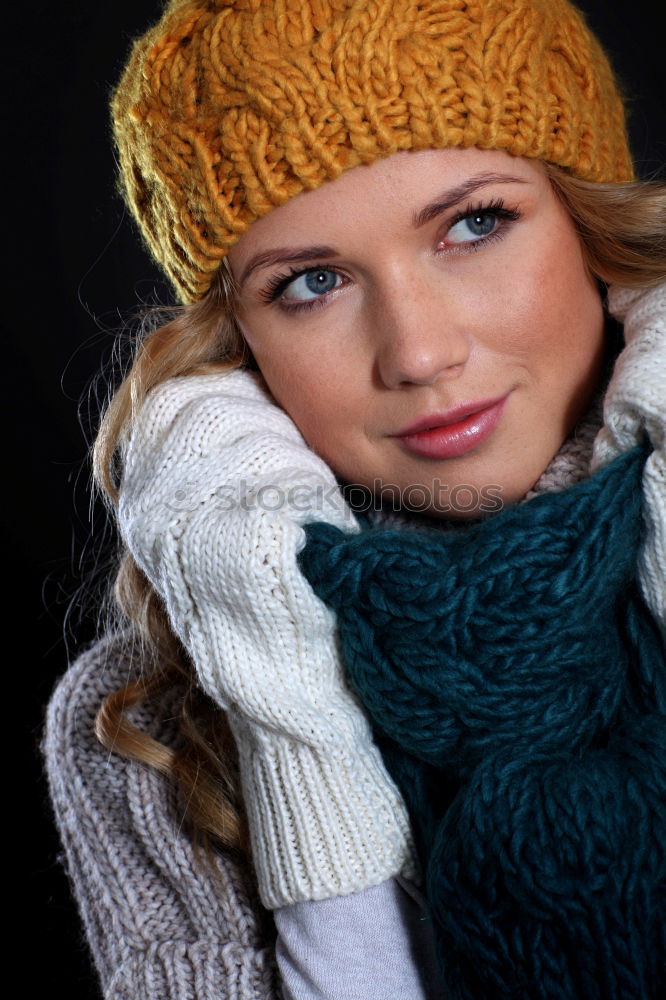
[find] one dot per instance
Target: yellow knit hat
(228, 108)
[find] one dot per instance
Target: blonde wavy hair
(622, 228)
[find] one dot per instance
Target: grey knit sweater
(156, 924)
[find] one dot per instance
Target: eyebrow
(284, 255)
(451, 197)
(290, 255)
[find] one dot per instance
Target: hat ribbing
(229, 108)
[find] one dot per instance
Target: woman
(394, 217)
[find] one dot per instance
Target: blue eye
(473, 227)
(312, 284)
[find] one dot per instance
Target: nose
(420, 337)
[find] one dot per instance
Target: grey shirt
(372, 945)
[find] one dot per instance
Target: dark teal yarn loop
(517, 686)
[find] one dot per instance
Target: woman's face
(428, 323)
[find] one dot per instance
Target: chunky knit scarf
(517, 686)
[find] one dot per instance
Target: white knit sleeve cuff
(338, 825)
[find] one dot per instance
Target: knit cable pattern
(516, 681)
(229, 108)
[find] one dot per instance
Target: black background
(75, 272)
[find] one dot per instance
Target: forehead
(399, 186)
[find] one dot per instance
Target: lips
(454, 432)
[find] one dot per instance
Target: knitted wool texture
(323, 818)
(159, 925)
(517, 684)
(229, 108)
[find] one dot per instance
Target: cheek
(576, 348)
(552, 310)
(310, 387)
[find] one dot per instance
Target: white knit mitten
(217, 483)
(635, 408)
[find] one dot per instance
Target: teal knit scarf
(517, 686)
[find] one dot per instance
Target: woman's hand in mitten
(217, 484)
(635, 410)
(635, 403)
